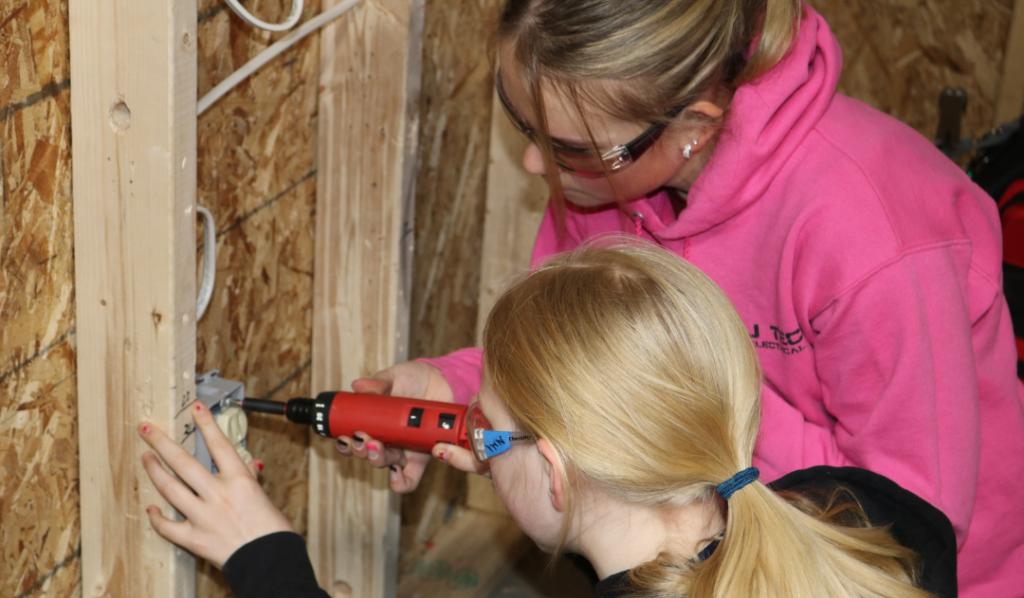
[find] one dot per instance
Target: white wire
(209, 262)
(293, 16)
(267, 55)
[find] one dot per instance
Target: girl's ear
(557, 491)
(709, 110)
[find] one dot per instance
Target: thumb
(459, 458)
(371, 386)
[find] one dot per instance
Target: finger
(177, 494)
(405, 479)
(381, 456)
(344, 445)
(358, 444)
(178, 532)
(384, 456)
(221, 449)
(395, 456)
(375, 453)
(459, 458)
(177, 459)
(371, 386)
(254, 467)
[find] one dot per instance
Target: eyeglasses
(487, 442)
(582, 161)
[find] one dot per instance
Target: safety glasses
(487, 442)
(581, 161)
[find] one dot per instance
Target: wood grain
(515, 207)
(133, 120)
(898, 56)
(1010, 102)
(451, 185)
(369, 102)
(39, 486)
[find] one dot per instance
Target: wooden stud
(1010, 102)
(134, 127)
(369, 102)
(515, 206)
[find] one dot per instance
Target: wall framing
(134, 129)
(369, 107)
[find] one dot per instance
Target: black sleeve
(273, 566)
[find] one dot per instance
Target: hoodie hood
(767, 121)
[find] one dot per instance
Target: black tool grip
(262, 406)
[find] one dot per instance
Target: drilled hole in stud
(121, 116)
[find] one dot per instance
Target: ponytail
(783, 545)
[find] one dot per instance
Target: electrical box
(214, 392)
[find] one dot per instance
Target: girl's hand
(411, 379)
(222, 512)
(460, 458)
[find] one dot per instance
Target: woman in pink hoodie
(866, 266)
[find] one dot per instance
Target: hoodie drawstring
(638, 221)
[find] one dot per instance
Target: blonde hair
(635, 367)
(669, 52)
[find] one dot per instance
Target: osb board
(257, 175)
(899, 54)
(451, 184)
(1010, 102)
(39, 497)
(39, 520)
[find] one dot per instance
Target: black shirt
(277, 565)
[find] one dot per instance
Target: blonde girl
(632, 389)
(641, 382)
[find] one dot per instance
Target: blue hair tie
(729, 487)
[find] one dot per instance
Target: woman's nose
(533, 161)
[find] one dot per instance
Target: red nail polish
(371, 447)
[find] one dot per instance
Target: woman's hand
(411, 379)
(460, 458)
(222, 512)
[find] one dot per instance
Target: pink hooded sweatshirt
(867, 268)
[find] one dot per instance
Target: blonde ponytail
(772, 548)
(638, 371)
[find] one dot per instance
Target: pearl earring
(689, 148)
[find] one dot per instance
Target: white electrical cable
(267, 55)
(209, 262)
(293, 16)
